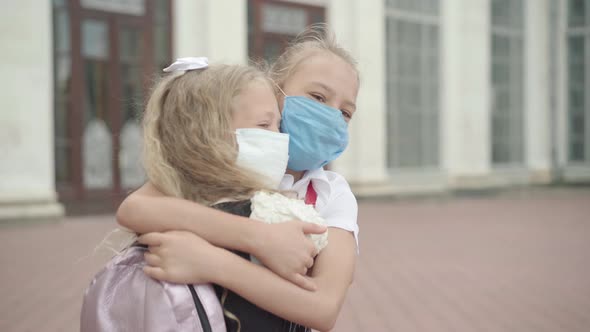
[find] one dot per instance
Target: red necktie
(311, 196)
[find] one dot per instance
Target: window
(507, 123)
(61, 90)
(578, 80)
(162, 34)
(272, 24)
(412, 83)
(105, 55)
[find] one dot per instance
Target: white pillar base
(31, 211)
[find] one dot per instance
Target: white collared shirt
(335, 201)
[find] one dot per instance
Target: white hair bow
(184, 64)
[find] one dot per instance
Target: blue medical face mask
(318, 133)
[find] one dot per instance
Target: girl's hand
(285, 250)
(180, 257)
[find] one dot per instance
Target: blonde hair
(317, 38)
(189, 146)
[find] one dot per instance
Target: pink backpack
(122, 298)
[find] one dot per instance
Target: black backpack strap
(200, 310)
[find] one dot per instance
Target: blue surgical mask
(318, 133)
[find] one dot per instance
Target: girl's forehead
(325, 69)
(258, 87)
(325, 59)
(256, 99)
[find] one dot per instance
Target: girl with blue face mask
(317, 89)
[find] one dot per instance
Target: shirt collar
(319, 179)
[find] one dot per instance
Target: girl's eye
(263, 125)
(346, 115)
(318, 97)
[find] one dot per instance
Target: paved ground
(519, 262)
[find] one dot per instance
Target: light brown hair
(316, 38)
(189, 146)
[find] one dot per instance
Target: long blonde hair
(316, 38)
(189, 147)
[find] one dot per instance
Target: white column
(340, 17)
(228, 31)
(27, 185)
(360, 28)
(215, 29)
(537, 102)
(466, 91)
(189, 28)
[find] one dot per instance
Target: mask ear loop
(284, 94)
(278, 87)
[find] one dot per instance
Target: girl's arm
(148, 210)
(184, 258)
(282, 247)
(332, 273)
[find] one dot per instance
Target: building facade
(455, 94)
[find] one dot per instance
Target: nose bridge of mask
(322, 111)
(307, 103)
(266, 142)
